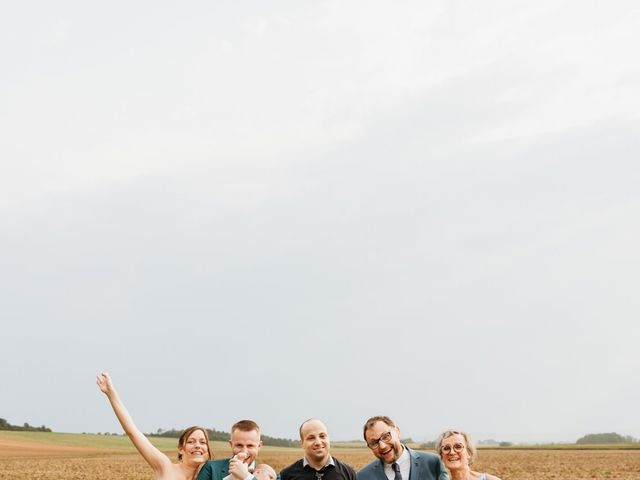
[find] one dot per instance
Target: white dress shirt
(405, 466)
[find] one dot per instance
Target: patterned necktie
(396, 468)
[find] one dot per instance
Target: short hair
(184, 436)
(371, 422)
(245, 426)
(307, 421)
(471, 448)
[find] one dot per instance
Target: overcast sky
(278, 210)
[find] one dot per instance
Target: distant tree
(600, 438)
(224, 436)
(427, 445)
(489, 441)
(4, 425)
(278, 442)
(505, 444)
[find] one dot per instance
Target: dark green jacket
(215, 470)
(218, 469)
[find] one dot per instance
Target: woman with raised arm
(458, 453)
(193, 445)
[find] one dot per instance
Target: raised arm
(154, 457)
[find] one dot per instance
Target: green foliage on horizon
(430, 445)
(566, 446)
(604, 438)
(120, 443)
(4, 425)
(219, 435)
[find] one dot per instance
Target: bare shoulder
(169, 471)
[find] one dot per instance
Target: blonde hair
(471, 448)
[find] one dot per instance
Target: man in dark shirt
(317, 463)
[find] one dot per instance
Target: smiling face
(193, 446)
(247, 442)
(384, 441)
(454, 452)
(315, 442)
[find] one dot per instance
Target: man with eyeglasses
(317, 463)
(395, 460)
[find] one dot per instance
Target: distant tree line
(279, 442)
(431, 445)
(600, 438)
(4, 425)
(224, 436)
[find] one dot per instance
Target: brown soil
(29, 448)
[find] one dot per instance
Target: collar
(305, 462)
(404, 458)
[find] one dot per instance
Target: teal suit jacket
(218, 469)
(215, 470)
(424, 466)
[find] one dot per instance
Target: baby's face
(264, 472)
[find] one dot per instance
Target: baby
(264, 472)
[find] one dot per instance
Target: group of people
(395, 461)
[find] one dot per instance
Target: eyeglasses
(385, 437)
(456, 447)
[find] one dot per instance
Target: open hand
(104, 383)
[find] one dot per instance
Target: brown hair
(184, 436)
(245, 426)
(371, 422)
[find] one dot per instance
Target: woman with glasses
(458, 452)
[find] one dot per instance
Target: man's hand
(237, 467)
